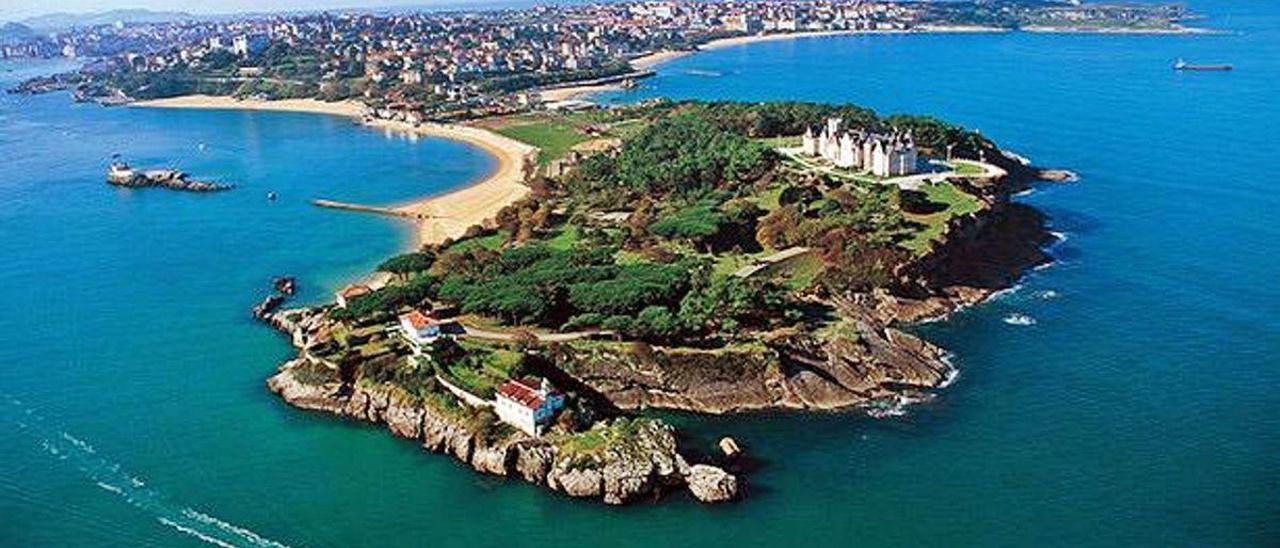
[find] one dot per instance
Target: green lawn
(627, 129)
(958, 203)
(484, 368)
(768, 200)
(553, 138)
(565, 238)
(725, 265)
(797, 273)
(967, 168)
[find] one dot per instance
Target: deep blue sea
(1140, 408)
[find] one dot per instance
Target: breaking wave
(1005, 292)
(953, 372)
(1019, 319)
(110, 477)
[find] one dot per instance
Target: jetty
(380, 210)
(1181, 65)
(602, 81)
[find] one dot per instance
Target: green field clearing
(967, 168)
(553, 138)
(565, 238)
(484, 368)
(958, 203)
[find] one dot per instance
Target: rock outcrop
(648, 465)
(865, 361)
(711, 484)
(170, 179)
(870, 365)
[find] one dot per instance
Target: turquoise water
(1140, 408)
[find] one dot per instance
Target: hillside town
(466, 64)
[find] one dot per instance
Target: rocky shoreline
(172, 180)
(648, 467)
(863, 360)
(871, 363)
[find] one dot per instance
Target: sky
(13, 10)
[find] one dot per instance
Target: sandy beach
(438, 217)
(215, 102)
(573, 93)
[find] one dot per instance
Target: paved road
(764, 262)
(485, 334)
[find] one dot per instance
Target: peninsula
(705, 257)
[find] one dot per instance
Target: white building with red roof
(419, 329)
(528, 404)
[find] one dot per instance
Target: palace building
(883, 155)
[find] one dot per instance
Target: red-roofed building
(350, 292)
(528, 404)
(419, 329)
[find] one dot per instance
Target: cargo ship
(1183, 65)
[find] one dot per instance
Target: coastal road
(488, 335)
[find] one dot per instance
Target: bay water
(1125, 395)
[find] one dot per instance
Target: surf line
(112, 478)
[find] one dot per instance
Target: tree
(408, 263)
(695, 224)
(656, 322)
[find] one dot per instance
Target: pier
(380, 210)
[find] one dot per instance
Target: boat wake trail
(110, 477)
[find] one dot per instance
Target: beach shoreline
(439, 217)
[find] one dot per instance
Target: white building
(528, 404)
(419, 330)
(883, 155)
(240, 46)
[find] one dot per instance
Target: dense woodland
(703, 194)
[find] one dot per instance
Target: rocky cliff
(646, 466)
(866, 364)
(864, 361)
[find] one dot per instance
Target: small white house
(528, 404)
(419, 330)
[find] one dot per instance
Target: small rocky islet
(704, 261)
(123, 175)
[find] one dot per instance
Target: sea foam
(1019, 319)
(110, 476)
